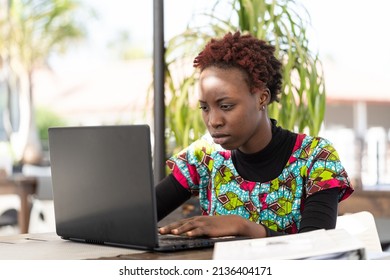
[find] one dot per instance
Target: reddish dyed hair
(252, 56)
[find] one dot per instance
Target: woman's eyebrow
(224, 98)
(221, 99)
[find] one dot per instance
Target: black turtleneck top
(320, 209)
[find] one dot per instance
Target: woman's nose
(215, 119)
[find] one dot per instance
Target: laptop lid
(103, 185)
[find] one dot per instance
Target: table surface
(49, 246)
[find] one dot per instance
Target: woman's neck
(262, 139)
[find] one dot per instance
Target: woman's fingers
(195, 226)
(215, 226)
(172, 227)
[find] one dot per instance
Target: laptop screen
(103, 184)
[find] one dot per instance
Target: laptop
(103, 188)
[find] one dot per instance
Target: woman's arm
(170, 195)
(320, 211)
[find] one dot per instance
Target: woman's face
(232, 113)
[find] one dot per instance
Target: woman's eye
(226, 107)
(203, 108)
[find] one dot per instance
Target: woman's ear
(264, 97)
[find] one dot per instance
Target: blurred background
(91, 63)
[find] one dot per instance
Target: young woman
(253, 178)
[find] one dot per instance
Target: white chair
(362, 225)
(42, 212)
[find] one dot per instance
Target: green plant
(33, 30)
(284, 23)
(46, 118)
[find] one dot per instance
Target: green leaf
(282, 22)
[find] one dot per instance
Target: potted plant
(284, 23)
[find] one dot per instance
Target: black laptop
(103, 188)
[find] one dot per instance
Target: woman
(253, 178)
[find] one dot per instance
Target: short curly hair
(255, 57)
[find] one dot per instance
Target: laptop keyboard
(177, 238)
(179, 241)
(183, 242)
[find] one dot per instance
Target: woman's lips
(219, 138)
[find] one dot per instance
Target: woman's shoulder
(304, 140)
(315, 146)
(206, 145)
(203, 146)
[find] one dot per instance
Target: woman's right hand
(215, 226)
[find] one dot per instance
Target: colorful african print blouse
(207, 170)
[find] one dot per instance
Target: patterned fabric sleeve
(190, 166)
(324, 169)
